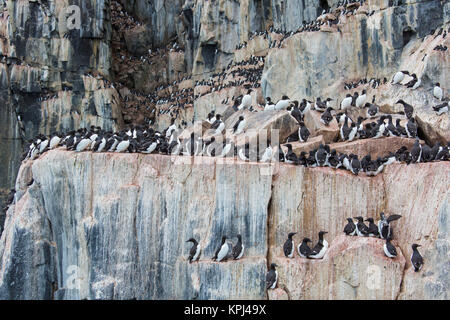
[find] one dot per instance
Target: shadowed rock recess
(107, 225)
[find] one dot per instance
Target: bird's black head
(415, 246)
(400, 101)
(306, 240)
(192, 240)
(437, 84)
(360, 219)
(349, 219)
(241, 118)
(224, 238)
(249, 91)
(290, 235)
(321, 233)
(273, 265)
(370, 220)
(284, 98)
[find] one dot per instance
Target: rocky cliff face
(113, 226)
(108, 226)
(52, 77)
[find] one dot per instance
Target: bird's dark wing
(349, 228)
(270, 279)
(287, 247)
(393, 217)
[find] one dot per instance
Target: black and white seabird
(303, 132)
(320, 248)
(269, 105)
(361, 100)
(283, 103)
(437, 91)
(238, 249)
(246, 100)
(303, 249)
(171, 128)
(321, 156)
(222, 251)
(346, 102)
(326, 117)
(416, 152)
(416, 258)
(350, 228)
(361, 229)
(409, 109)
(384, 228)
(296, 113)
(290, 156)
(442, 108)
(194, 253)
(389, 249)
(411, 128)
(239, 126)
(372, 229)
(272, 277)
(218, 125)
(399, 76)
(288, 246)
(54, 141)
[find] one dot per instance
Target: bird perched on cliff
(290, 156)
(414, 83)
(361, 100)
(350, 228)
(218, 125)
(384, 227)
(411, 128)
(288, 247)
(437, 91)
(346, 102)
(272, 277)
(283, 103)
(399, 76)
(372, 229)
(416, 152)
(296, 113)
(321, 156)
(320, 248)
(238, 249)
(326, 117)
(222, 251)
(389, 249)
(361, 229)
(355, 165)
(416, 258)
(267, 154)
(171, 128)
(269, 105)
(211, 117)
(442, 108)
(372, 110)
(303, 249)
(55, 140)
(194, 253)
(239, 126)
(409, 110)
(246, 100)
(303, 132)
